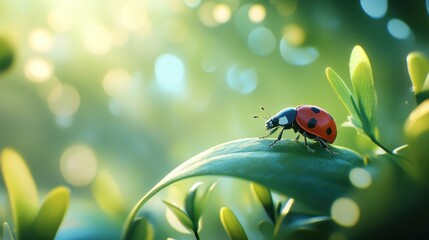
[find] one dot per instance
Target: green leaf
(418, 69)
(202, 200)
(364, 90)
(107, 194)
(265, 198)
(266, 229)
(142, 229)
(315, 179)
(7, 233)
(190, 202)
(231, 225)
(184, 219)
(345, 95)
(285, 211)
(417, 135)
(51, 214)
(6, 55)
(21, 189)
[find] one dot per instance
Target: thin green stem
(197, 237)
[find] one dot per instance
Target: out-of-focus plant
(31, 221)
(6, 55)
(231, 225)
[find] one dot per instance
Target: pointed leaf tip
(231, 224)
(51, 214)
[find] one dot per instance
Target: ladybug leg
(305, 142)
(325, 145)
(279, 137)
(297, 137)
(270, 133)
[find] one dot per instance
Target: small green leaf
(202, 200)
(51, 214)
(190, 202)
(265, 198)
(181, 215)
(231, 225)
(142, 229)
(7, 233)
(345, 95)
(107, 194)
(418, 69)
(21, 189)
(364, 90)
(315, 179)
(285, 211)
(6, 55)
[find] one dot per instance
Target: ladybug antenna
(263, 109)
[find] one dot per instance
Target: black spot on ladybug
(329, 131)
(312, 123)
(315, 110)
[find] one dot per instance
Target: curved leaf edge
(172, 177)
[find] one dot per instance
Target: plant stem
(197, 237)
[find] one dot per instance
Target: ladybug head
(284, 118)
(271, 122)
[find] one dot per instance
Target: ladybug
(310, 121)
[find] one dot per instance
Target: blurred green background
(136, 87)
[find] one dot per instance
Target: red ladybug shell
(316, 121)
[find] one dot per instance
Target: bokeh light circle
(116, 82)
(40, 40)
(398, 29)
(261, 41)
(299, 56)
(63, 101)
(242, 80)
(345, 212)
(257, 13)
(97, 39)
(170, 74)
(374, 8)
(78, 165)
(360, 178)
(222, 13)
(38, 69)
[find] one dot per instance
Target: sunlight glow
(40, 40)
(261, 41)
(78, 165)
(116, 82)
(134, 16)
(170, 74)
(345, 212)
(257, 13)
(294, 34)
(97, 39)
(398, 29)
(222, 13)
(38, 69)
(60, 19)
(360, 178)
(374, 8)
